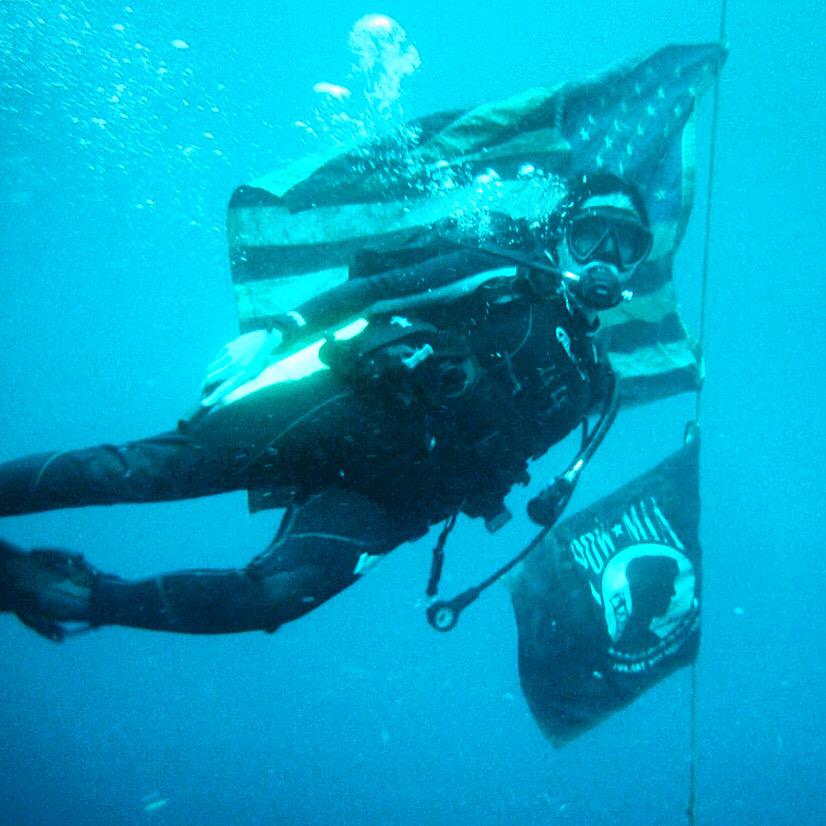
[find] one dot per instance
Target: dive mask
(608, 234)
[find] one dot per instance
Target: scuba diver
(393, 402)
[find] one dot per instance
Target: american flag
(300, 230)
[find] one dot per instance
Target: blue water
(115, 294)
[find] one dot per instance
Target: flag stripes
(302, 230)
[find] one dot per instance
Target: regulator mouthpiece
(598, 287)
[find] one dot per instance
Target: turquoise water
(124, 131)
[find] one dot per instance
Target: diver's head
(601, 237)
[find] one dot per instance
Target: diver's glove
(45, 588)
(239, 361)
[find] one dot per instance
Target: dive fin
(45, 587)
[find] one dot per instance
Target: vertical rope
(710, 194)
(691, 810)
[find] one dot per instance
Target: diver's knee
(292, 594)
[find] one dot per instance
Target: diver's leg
(170, 466)
(322, 547)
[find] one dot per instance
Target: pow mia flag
(609, 604)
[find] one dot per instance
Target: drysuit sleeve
(377, 293)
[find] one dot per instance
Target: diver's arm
(458, 264)
(442, 277)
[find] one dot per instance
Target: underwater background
(124, 131)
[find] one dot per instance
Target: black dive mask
(608, 235)
(606, 241)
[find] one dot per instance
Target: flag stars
(678, 71)
(692, 90)
(678, 110)
(629, 150)
(609, 142)
(618, 127)
(599, 161)
(661, 93)
(584, 134)
(591, 120)
(659, 195)
(650, 111)
(637, 89)
(640, 130)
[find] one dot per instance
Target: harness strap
(443, 615)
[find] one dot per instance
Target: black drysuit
(363, 459)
